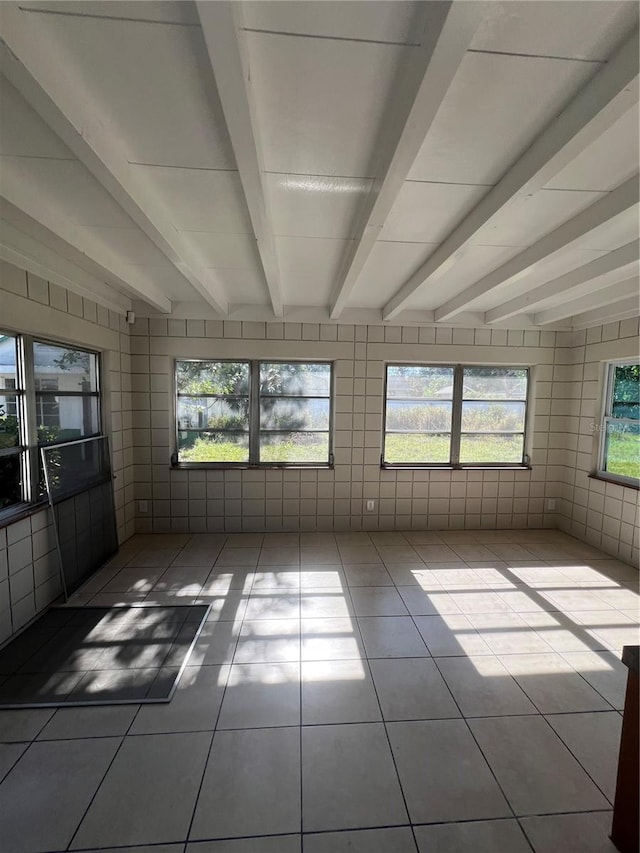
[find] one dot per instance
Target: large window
(253, 413)
(619, 457)
(49, 394)
(454, 416)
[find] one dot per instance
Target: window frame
(254, 398)
(456, 420)
(605, 417)
(27, 402)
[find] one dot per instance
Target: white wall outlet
(371, 506)
(143, 506)
(551, 504)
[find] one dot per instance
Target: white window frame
(607, 418)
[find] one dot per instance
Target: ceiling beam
(448, 34)
(574, 231)
(224, 37)
(80, 247)
(618, 311)
(33, 65)
(608, 95)
(616, 292)
(565, 285)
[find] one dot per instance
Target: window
(49, 394)
(253, 413)
(454, 416)
(619, 457)
(12, 451)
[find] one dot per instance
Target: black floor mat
(99, 656)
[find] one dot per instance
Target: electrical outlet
(371, 506)
(551, 504)
(143, 506)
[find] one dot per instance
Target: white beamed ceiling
(287, 171)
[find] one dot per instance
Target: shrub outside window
(253, 413)
(619, 455)
(12, 449)
(455, 415)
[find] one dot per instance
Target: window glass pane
(62, 418)
(9, 410)
(212, 377)
(491, 448)
(10, 480)
(9, 432)
(294, 447)
(295, 379)
(301, 413)
(75, 370)
(408, 416)
(213, 413)
(494, 383)
(493, 417)
(213, 446)
(626, 391)
(411, 381)
(421, 448)
(622, 449)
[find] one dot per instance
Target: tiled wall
(199, 500)
(604, 514)
(29, 577)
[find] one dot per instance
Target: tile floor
(384, 693)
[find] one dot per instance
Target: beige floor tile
(451, 634)
(594, 739)
(251, 785)
(348, 778)
(268, 641)
(338, 692)
(391, 637)
(571, 833)
(412, 689)
(331, 639)
(478, 836)
(443, 774)
(258, 695)
(396, 840)
(377, 601)
(482, 687)
(535, 770)
(552, 684)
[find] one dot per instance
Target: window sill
(240, 466)
(617, 481)
(20, 511)
(416, 467)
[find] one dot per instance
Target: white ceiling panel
(495, 106)
(68, 185)
(608, 162)
(162, 12)
(394, 21)
(168, 279)
(159, 93)
(531, 217)
(199, 199)
(242, 286)
(320, 103)
(130, 244)
(475, 262)
(315, 205)
(426, 212)
(309, 268)
(232, 251)
(557, 28)
(387, 267)
(22, 131)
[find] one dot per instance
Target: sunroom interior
(347, 293)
